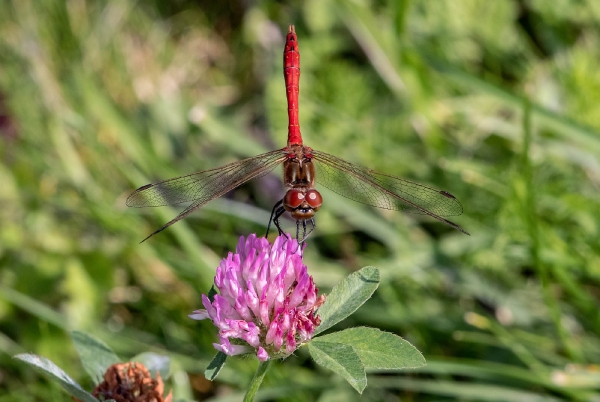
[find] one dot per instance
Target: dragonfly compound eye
(314, 199)
(293, 198)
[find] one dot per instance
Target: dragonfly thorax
(298, 168)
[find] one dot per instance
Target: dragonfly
(303, 166)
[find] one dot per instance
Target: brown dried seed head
(131, 382)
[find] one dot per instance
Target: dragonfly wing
(384, 191)
(201, 187)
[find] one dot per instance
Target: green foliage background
(101, 97)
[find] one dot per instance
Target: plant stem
(534, 234)
(257, 380)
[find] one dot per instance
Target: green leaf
(211, 293)
(341, 359)
(154, 362)
(215, 366)
(378, 349)
(347, 296)
(48, 368)
(95, 355)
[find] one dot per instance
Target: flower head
(266, 301)
(131, 382)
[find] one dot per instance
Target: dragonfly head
(302, 203)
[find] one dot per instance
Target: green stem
(257, 380)
(534, 235)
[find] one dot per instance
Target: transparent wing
(201, 187)
(384, 191)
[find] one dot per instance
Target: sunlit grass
(99, 98)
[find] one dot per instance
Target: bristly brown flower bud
(131, 382)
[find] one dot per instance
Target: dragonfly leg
(298, 231)
(275, 214)
(313, 226)
(280, 212)
(305, 230)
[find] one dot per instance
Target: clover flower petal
(266, 300)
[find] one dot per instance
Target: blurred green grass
(101, 97)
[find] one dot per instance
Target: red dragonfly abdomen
(291, 72)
